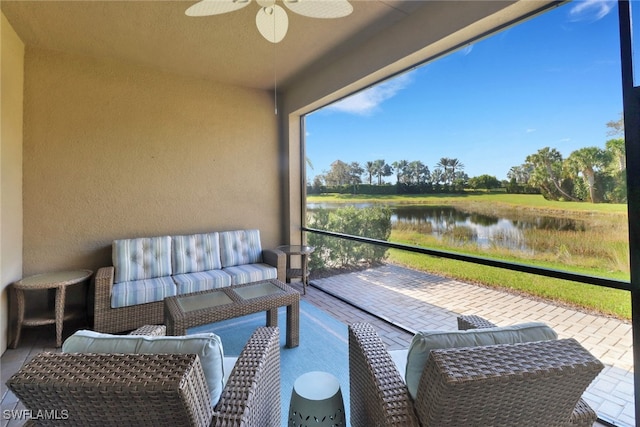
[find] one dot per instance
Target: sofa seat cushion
(196, 252)
(240, 247)
(424, 342)
(201, 281)
(207, 346)
(124, 294)
(139, 259)
(242, 274)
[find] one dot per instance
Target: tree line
(448, 174)
(588, 174)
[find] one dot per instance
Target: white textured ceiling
(225, 48)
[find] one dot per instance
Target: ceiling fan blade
(273, 23)
(215, 7)
(320, 8)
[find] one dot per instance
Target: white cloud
(367, 101)
(467, 50)
(591, 10)
(530, 130)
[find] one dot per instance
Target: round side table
(303, 273)
(58, 281)
(316, 400)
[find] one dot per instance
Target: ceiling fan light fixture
(273, 23)
(272, 20)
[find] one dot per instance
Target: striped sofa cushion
(240, 247)
(196, 252)
(201, 281)
(241, 274)
(140, 259)
(124, 294)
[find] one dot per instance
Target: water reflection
(446, 222)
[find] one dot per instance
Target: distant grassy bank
(602, 251)
(513, 201)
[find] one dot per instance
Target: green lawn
(612, 302)
(602, 252)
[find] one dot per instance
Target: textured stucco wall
(11, 87)
(113, 150)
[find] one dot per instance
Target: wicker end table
(303, 273)
(58, 281)
(200, 308)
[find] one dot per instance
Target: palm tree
(443, 164)
(456, 166)
(418, 172)
(587, 161)
(371, 170)
(401, 170)
(437, 176)
(617, 149)
(378, 168)
(547, 172)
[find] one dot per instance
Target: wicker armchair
(529, 384)
(75, 389)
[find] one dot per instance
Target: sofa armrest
(102, 302)
(251, 396)
(277, 259)
(379, 396)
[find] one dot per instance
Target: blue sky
(552, 81)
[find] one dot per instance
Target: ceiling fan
(272, 20)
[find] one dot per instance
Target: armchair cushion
(240, 247)
(196, 252)
(207, 346)
(139, 259)
(424, 342)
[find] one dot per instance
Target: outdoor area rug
(323, 347)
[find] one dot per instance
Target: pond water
(460, 226)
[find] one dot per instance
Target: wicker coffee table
(200, 308)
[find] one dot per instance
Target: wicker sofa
(130, 293)
(75, 389)
(524, 384)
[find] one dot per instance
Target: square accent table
(200, 308)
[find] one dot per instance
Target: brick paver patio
(420, 301)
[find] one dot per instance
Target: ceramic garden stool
(316, 400)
